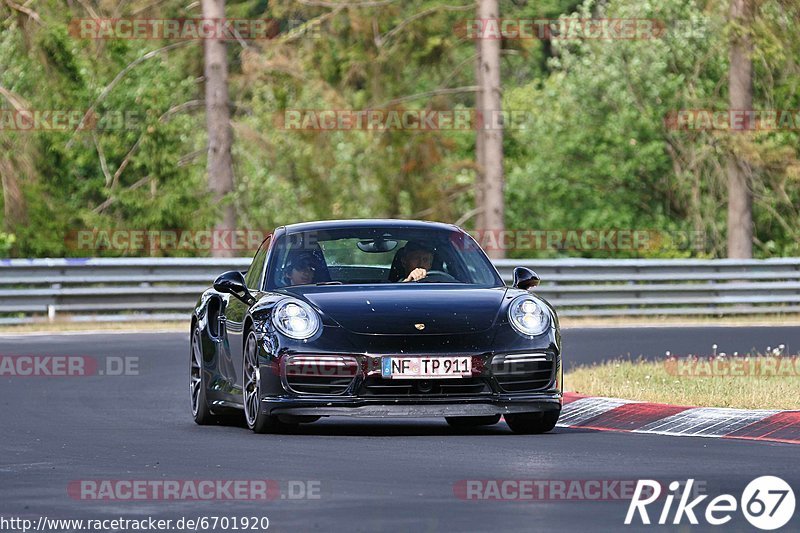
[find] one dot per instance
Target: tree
(218, 123)
(490, 142)
(740, 84)
(15, 164)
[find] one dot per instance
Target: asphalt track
(373, 475)
(585, 346)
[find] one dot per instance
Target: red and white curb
(611, 414)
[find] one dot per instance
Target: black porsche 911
(375, 318)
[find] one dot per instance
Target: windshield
(379, 255)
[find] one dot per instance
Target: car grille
(320, 374)
(523, 372)
(425, 387)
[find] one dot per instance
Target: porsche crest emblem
(420, 326)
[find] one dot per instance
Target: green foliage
(127, 171)
(591, 153)
(596, 153)
(7, 241)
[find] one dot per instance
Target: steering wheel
(437, 276)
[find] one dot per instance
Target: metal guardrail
(163, 289)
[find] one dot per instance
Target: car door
(237, 310)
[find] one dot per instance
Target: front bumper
(412, 408)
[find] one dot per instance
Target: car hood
(403, 310)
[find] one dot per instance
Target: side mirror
(525, 278)
(233, 283)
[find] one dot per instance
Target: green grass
(662, 382)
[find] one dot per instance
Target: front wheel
(197, 383)
(532, 423)
(472, 421)
(258, 421)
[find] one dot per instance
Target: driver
(416, 260)
(300, 269)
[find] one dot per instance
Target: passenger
(300, 269)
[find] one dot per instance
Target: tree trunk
(14, 208)
(740, 197)
(480, 160)
(14, 164)
(218, 123)
(492, 130)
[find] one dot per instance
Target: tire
(251, 391)
(197, 383)
(533, 423)
(472, 421)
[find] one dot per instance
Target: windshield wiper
(328, 283)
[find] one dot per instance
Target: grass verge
(716, 382)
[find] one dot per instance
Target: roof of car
(368, 223)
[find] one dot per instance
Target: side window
(253, 277)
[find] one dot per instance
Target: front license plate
(426, 367)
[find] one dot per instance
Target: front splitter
(409, 409)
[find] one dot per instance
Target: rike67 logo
(767, 503)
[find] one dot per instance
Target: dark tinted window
(253, 276)
(376, 255)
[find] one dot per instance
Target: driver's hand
(416, 274)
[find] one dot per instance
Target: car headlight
(295, 319)
(528, 315)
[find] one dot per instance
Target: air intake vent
(331, 375)
(523, 372)
(377, 386)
